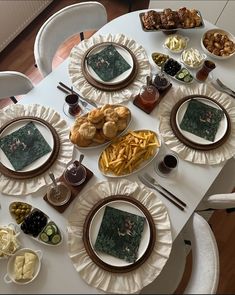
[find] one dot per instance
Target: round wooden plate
(187, 141)
(88, 246)
(46, 165)
(110, 87)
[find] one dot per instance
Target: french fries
(126, 153)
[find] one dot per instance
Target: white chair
(65, 23)
(205, 262)
(14, 83)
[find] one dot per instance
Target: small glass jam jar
(160, 81)
(148, 96)
(75, 174)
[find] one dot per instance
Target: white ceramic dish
(95, 225)
(98, 145)
(10, 278)
(208, 53)
(179, 37)
(193, 64)
(12, 244)
(45, 131)
(141, 166)
(123, 52)
(197, 139)
(38, 239)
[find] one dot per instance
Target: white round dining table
(191, 183)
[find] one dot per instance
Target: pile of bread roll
(99, 125)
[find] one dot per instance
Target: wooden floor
(18, 56)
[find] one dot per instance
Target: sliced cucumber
(54, 227)
(44, 237)
(181, 75)
(56, 239)
(49, 231)
(187, 79)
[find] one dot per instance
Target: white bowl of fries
(129, 153)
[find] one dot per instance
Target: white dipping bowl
(208, 53)
(9, 276)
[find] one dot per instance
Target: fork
(154, 182)
(220, 88)
(148, 184)
(224, 86)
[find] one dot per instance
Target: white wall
(15, 15)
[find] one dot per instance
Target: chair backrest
(205, 265)
(14, 83)
(71, 20)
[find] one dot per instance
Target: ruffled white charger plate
(100, 96)
(16, 187)
(132, 281)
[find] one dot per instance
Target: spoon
(57, 190)
(79, 162)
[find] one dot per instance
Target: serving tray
(172, 30)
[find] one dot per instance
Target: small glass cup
(203, 73)
(75, 174)
(167, 165)
(60, 196)
(73, 102)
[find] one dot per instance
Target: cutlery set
(86, 103)
(223, 88)
(151, 182)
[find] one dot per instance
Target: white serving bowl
(9, 276)
(213, 31)
(176, 37)
(192, 58)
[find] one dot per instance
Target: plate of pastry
(171, 20)
(100, 126)
(36, 223)
(23, 267)
(129, 153)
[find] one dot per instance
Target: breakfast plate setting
(24, 121)
(99, 76)
(88, 238)
(211, 137)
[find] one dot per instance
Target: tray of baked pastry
(100, 126)
(171, 20)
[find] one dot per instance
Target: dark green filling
(108, 63)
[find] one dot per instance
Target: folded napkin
(23, 146)
(108, 63)
(201, 119)
(120, 234)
